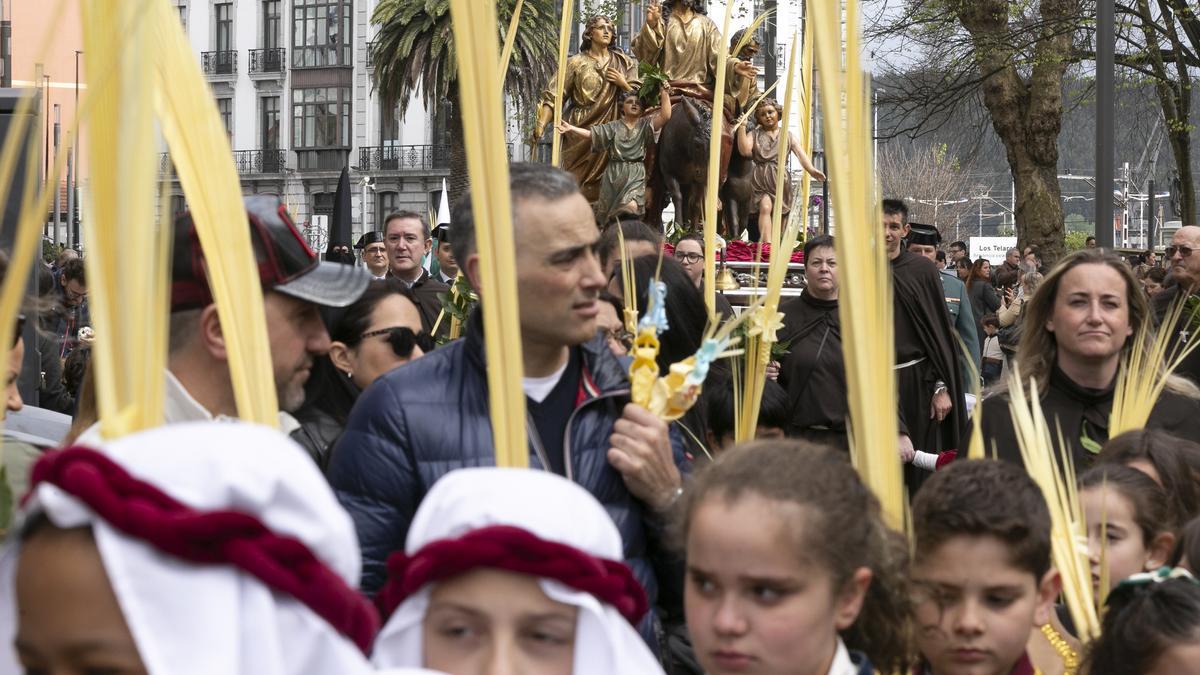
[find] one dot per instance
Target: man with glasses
(295, 284)
(71, 312)
(689, 251)
(1183, 261)
(374, 254)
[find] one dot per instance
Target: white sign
(993, 249)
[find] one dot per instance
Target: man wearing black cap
(923, 240)
(374, 254)
(294, 283)
(932, 407)
(447, 265)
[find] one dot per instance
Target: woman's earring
(349, 375)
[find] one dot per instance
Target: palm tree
(415, 51)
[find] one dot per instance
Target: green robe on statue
(624, 178)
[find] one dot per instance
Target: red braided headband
(141, 510)
(515, 550)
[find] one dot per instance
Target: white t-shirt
(538, 388)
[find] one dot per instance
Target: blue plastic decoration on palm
(656, 308)
(710, 350)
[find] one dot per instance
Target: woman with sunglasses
(379, 332)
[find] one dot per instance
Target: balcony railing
(404, 157)
(246, 161)
(260, 161)
(371, 55)
(265, 61)
(219, 63)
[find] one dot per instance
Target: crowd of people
(375, 535)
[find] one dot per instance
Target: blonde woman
(1014, 299)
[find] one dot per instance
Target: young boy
(981, 567)
(773, 414)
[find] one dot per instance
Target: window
(321, 120)
(270, 122)
(182, 8)
(321, 33)
(386, 204)
(271, 21)
(178, 204)
(323, 203)
(223, 27)
(225, 109)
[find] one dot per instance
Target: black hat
(369, 238)
(285, 262)
(442, 233)
(923, 235)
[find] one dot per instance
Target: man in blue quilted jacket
(430, 417)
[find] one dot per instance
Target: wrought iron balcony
(219, 63)
(404, 157)
(268, 61)
(371, 55)
(260, 161)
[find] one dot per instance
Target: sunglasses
(403, 339)
(1184, 251)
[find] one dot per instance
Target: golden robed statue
(686, 44)
(594, 79)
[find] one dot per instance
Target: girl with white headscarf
(193, 549)
(510, 570)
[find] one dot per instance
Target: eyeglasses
(689, 258)
(403, 339)
(1183, 251)
(622, 336)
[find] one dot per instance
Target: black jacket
(428, 293)
(430, 416)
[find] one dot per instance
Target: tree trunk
(459, 181)
(1181, 149)
(1026, 112)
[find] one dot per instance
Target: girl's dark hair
(1148, 499)
(819, 241)
(977, 272)
(1187, 547)
(686, 314)
(328, 389)
(1142, 622)
(842, 530)
(1176, 461)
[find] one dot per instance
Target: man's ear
(428, 245)
(1047, 591)
(471, 269)
(339, 354)
(212, 338)
(907, 229)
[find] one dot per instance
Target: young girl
(786, 556)
(1131, 509)
(1152, 627)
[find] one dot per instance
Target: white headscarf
(190, 619)
(549, 507)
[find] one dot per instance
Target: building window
(182, 8)
(321, 33)
(178, 204)
(323, 203)
(386, 203)
(223, 26)
(321, 124)
(389, 127)
(225, 109)
(271, 24)
(270, 122)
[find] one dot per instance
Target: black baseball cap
(285, 262)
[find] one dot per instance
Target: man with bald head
(1183, 266)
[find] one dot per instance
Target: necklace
(1069, 658)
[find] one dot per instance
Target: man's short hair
(1090, 238)
(65, 255)
(632, 230)
(402, 215)
(526, 180)
(73, 270)
(775, 410)
(182, 327)
(940, 256)
(894, 206)
(990, 320)
(819, 241)
(959, 244)
(985, 498)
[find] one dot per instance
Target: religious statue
(679, 39)
(763, 146)
(594, 80)
(623, 186)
